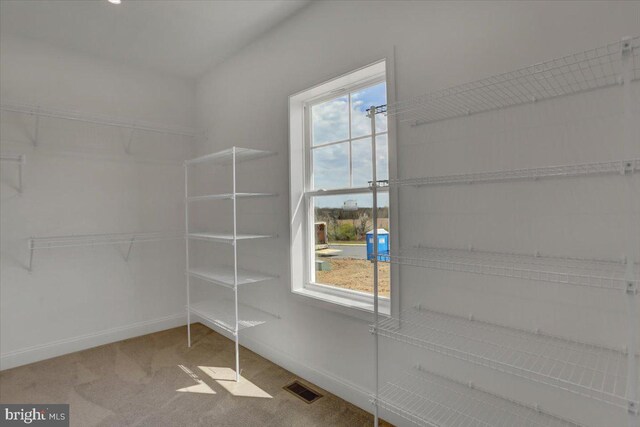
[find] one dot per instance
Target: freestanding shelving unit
(225, 314)
(590, 371)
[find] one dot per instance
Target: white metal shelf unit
(54, 242)
(225, 237)
(600, 373)
(431, 400)
(224, 314)
(19, 160)
(228, 196)
(225, 276)
(220, 312)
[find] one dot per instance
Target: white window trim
(355, 303)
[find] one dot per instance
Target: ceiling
(181, 37)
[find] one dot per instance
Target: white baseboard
(36, 353)
(342, 388)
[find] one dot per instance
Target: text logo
(41, 415)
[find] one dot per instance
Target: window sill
(360, 308)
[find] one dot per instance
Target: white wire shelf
(430, 400)
(226, 156)
(99, 239)
(38, 111)
(228, 196)
(592, 273)
(620, 167)
(77, 240)
(579, 72)
(224, 276)
(584, 369)
(18, 158)
(221, 313)
(226, 237)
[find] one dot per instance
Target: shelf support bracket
(127, 148)
(20, 170)
(36, 128)
(126, 258)
(31, 248)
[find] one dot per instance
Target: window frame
(361, 301)
(310, 193)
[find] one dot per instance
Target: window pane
(361, 162)
(330, 121)
(331, 166)
(341, 225)
(360, 102)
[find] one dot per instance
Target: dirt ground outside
(356, 274)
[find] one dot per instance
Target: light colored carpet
(136, 382)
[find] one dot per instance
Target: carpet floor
(155, 380)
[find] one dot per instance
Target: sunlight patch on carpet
(201, 387)
(226, 378)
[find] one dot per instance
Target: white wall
(244, 102)
(80, 180)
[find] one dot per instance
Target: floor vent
(302, 391)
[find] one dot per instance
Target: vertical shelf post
(31, 248)
(374, 217)
(633, 244)
(186, 240)
(36, 128)
(20, 172)
(235, 264)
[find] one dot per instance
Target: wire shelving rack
(582, 369)
(584, 272)
(77, 240)
(585, 369)
(224, 276)
(99, 119)
(221, 313)
(418, 395)
(584, 71)
(225, 313)
(621, 167)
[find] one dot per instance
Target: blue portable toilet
(383, 245)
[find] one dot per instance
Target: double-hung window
(332, 203)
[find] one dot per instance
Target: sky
(330, 123)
